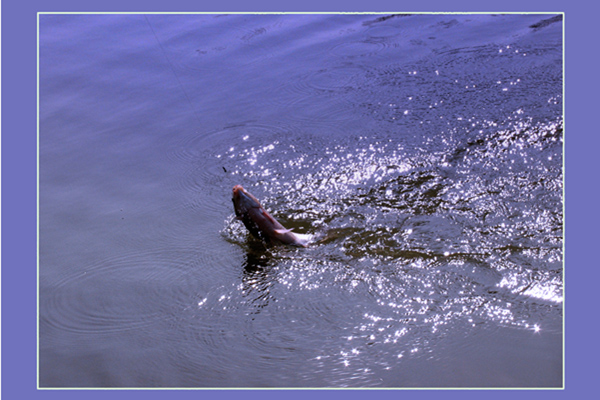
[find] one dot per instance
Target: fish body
(260, 223)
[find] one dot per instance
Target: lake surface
(424, 152)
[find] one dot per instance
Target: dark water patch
(385, 18)
(545, 22)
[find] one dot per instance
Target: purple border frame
(19, 204)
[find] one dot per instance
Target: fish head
(243, 201)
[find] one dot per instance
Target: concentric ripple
(139, 290)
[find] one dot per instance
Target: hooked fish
(260, 223)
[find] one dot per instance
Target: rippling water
(424, 152)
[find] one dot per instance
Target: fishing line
(173, 69)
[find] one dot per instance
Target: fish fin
(303, 239)
(283, 231)
(304, 236)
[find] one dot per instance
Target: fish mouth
(237, 189)
(239, 192)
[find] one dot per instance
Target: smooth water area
(424, 152)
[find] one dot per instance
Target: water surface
(423, 151)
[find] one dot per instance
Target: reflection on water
(423, 151)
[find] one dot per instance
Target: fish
(260, 223)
